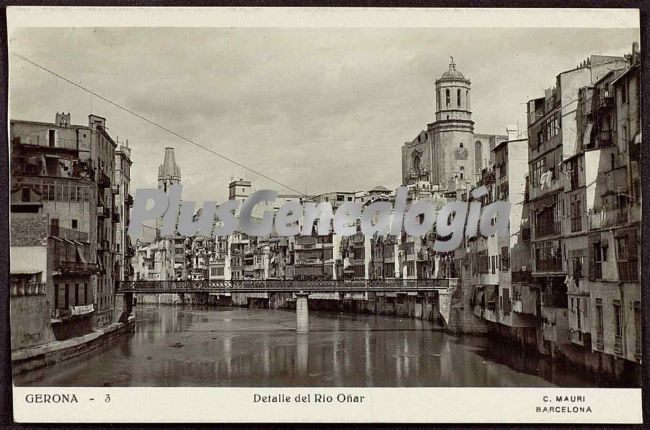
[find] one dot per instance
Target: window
(548, 257)
(599, 256)
(25, 194)
(576, 213)
(76, 294)
(618, 328)
(599, 324)
(447, 99)
(66, 300)
(578, 311)
(539, 167)
(624, 94)
(51, 138)
(505, 258)
(576, 266)
(458, 97)
(75, 224)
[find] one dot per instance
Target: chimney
(62, 119)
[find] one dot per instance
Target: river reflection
(256, 347)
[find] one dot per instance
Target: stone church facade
(448, 154)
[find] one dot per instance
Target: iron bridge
(285, 286)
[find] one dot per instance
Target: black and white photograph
(315, 206)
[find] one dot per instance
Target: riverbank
(26, 359)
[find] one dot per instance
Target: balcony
(600, 343)
(548, 229)
(75, 267)
(598, 103)
(615, 182)
(549, 265)
(103, 181)
(27, 289)
(608, 218)
(70, 234)
(129, 200)
(103, 211)
(618, 344)
(103, 245)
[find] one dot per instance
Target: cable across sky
(155, 124)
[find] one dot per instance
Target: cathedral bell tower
(452, 132)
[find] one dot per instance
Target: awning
(80, 254)
(586, 138)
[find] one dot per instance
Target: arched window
(467, 99)
(416, 163)
(458, 97)
(438, 100)
(462, 172)
(447, 98)
(461, 144)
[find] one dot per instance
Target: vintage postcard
(325, 215)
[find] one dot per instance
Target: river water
(256, 347)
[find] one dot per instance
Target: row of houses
(567, 280)
(70, 201)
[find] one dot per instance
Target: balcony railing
(618, 344)
(103, 211)
(27, 289)
(548, 229)
(600, 343)
(608, 218)
(70, 234)
(550, 265)
(103, 180)
(75, 267)
(103, 245)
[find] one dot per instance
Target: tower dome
(452, 73)
(453, 95)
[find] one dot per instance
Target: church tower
(169, 173)
(452, 132)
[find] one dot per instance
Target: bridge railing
(283, 285)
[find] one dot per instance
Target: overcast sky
(318, 109)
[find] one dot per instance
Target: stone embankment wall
(50, 353)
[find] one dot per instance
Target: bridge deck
(284, 286)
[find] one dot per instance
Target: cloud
(318, 109)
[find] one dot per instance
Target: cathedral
(448, 155)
